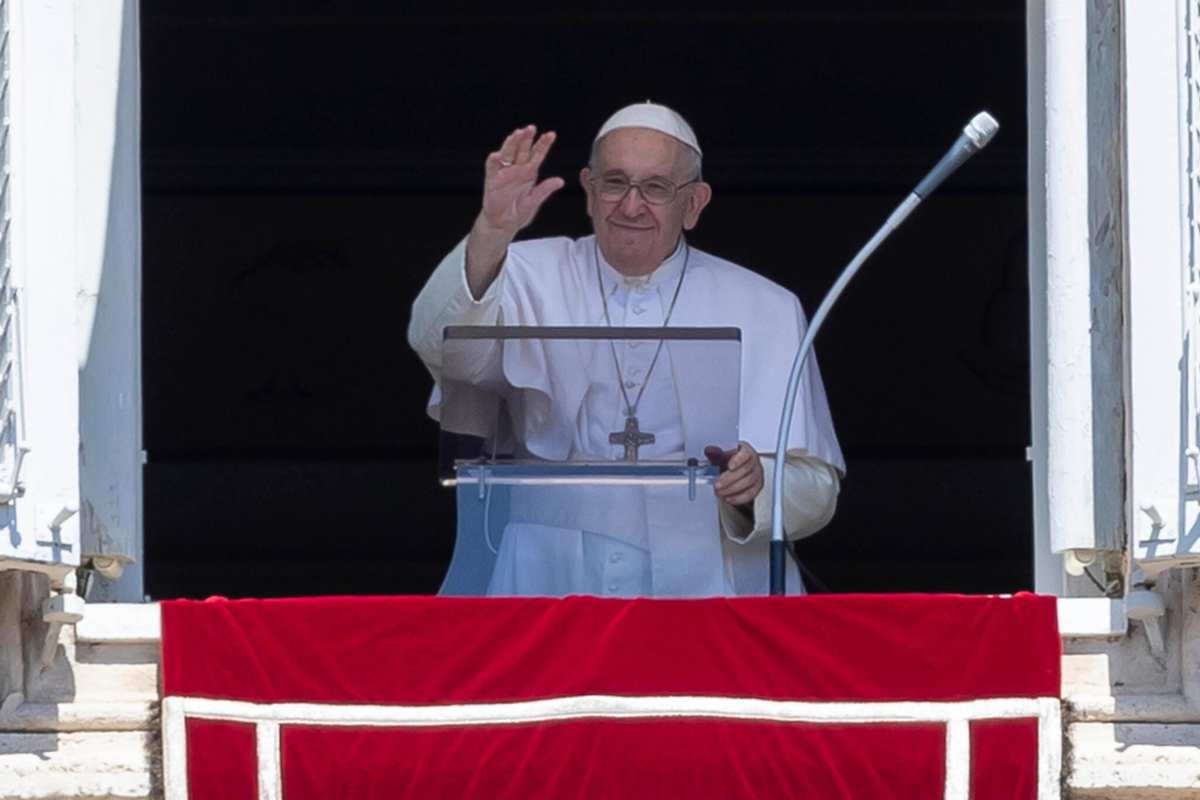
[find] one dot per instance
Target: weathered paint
(108, 214)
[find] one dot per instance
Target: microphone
(979, 131)
(975, 136)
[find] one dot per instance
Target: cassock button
(612, 587)
(637, 309)
(615, 558)
(630, 384)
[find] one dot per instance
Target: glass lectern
(546, 429)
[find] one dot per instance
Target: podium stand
(535, 434)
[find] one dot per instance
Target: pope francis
(644, 190)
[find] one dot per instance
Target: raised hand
(512, 196)
(511, 192)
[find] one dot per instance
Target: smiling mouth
(630, 226)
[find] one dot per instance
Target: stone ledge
(1131, 793)
(1133, 760)
(1091, 618)
(107, 683)
(1146, 708)
(72, 717)
(76, 766)
(119, 623)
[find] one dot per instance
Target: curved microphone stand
(976, 135)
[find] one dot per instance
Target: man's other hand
(741, 474)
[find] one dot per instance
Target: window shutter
(12, 447)
(1191, 246)
(38, 494)
(1162, 123)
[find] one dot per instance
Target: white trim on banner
(268, 718)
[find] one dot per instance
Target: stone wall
(85, 726)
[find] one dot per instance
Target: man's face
(635, 236)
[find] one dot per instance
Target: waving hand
(512, 196)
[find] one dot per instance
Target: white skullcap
(656, 118)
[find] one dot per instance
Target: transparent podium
(549, 433)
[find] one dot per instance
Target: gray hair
(691, 167)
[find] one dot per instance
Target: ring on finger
(504, 162)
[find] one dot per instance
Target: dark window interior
(307, 163)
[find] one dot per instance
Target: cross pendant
(631, 438)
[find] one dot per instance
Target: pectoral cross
(631, 438)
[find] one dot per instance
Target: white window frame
(1064, 452)
(76, 251)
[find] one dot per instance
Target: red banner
(832, 696)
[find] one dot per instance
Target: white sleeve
(447, 300)
(810, 490)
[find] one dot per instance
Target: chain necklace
(631, 437)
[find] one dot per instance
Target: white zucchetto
(655, 117)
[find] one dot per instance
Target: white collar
(665, 273)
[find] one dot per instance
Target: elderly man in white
(644, 190)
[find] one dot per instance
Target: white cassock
(640, 541)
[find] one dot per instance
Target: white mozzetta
(1069, 465)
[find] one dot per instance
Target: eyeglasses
(656, 191)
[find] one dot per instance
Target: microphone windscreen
(981, 129)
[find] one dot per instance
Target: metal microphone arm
(978, 133)
(777, 541)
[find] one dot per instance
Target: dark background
(306, 165)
